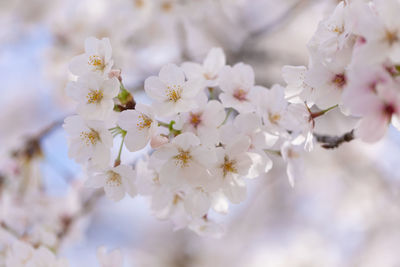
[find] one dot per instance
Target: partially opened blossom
(116, 181)
(209, 70)
(292, 155)
(237, 85)
(170, 92)
(88, 140)
(185, 161)
(140, 125)
(204, 121)
(97, 58)
(94, 95)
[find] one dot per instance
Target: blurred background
(345, 211)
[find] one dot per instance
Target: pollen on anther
(94, 96)
(183, 158)
(144, 122)
(114, 179)
(90, 138)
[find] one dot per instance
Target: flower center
(274, 117)
(209, 76)
(195, 119)
(94, 96)
(90, 138)
(174, 92)
(114, 179)
(391, 37)
(240, 95)
(228, 166)
(339, 80)
(389, 110)
(183, 158)
(144, 122)
(96, 62)
(292, 154)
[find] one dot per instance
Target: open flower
(208, 72)
(140, 125)
(233, 163)
(97, 58)
(88, 140)
(237, 84)
(204, 121)
(116, 182)
(185, 161)
(171, 93)
(94, 94)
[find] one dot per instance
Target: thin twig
(331, 142)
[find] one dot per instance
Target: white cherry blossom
(170, 92)
(185, 161)
(88, 140)
(94, 95)
(97, 58)
(140, 124)
(116, 181)
(237, 85)
(209, 70)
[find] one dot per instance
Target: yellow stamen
(174, 92)
(96, 62)
(195, 119)
(144, 122)
(114, 179)
(228, 166)
(274, 118)
(240, 95)
(183, 158)
(94, 96)
(90, 138)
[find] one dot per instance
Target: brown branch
(331, 142)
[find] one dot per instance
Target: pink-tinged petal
(128, 119)
(214, 61)
(193, 70)
(241, 145)
(136, 140)
(115, 193)
(155, 88)
(165, 152)
(372, 127)
(214, 113)
(186, 140)
(197, 203)
(111, 87)
(171, 74)
(79, 65)
(236, 192)
(247, 122)
(244, 74)
(191, 88)
(204, 156)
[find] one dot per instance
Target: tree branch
(331, 142)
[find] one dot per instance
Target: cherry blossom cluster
(354, 63)
(210, 128)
